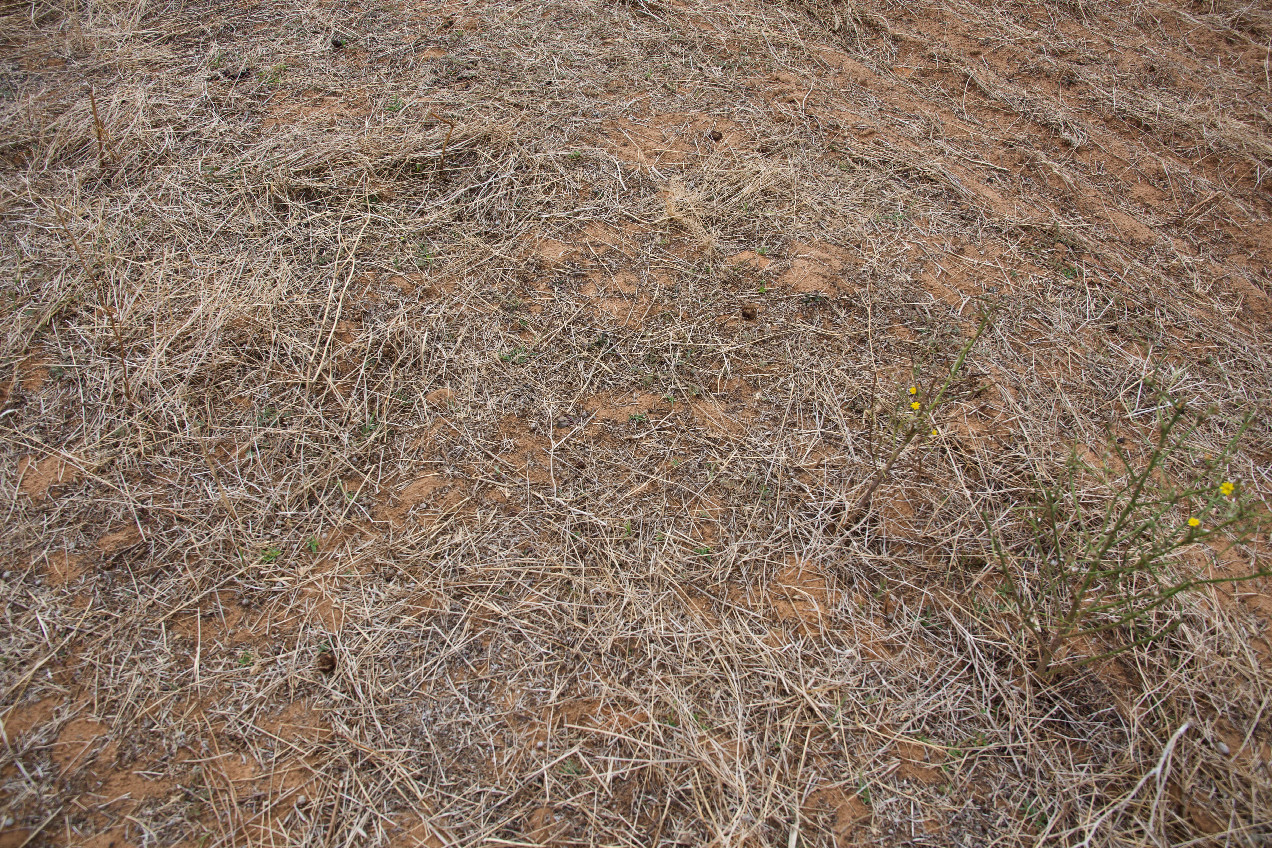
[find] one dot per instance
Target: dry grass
(435, 424)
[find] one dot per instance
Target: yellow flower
(915, 405)
(933, 431)
(914, 390)
(1227, 488)
(1194, 522)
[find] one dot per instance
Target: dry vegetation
(442, 423)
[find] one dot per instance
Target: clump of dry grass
(438, 424)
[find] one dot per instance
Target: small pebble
(1223, 747)
(567, 421)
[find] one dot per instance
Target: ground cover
(483, 423)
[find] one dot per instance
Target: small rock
(567, 421)
(235, 74)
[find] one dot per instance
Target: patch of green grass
(425, 255)
(517, 356)
(274, 76)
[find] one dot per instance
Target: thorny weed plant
(914, 418)
(1098, 560)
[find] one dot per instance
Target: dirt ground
(430, 424)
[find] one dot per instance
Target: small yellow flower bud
(1194, 522)
(915, 405)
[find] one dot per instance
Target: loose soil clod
(325, 664)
